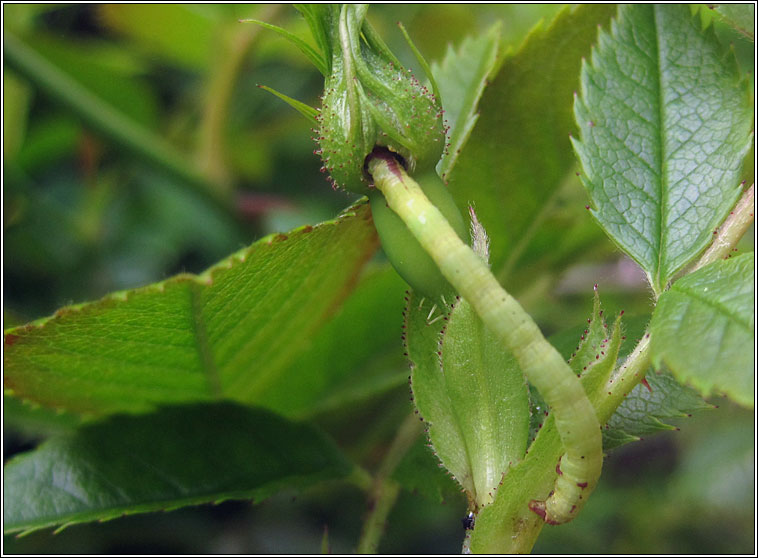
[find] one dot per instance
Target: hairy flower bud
(371, 100)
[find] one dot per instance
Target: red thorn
(647, 385)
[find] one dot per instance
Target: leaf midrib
(663, 175)
(207, 362)
(694, 295)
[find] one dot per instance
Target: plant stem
(385, 491)
(361, 478)
(543, 366)
(105, 118)
(383, 498)
(624, 379)
(236, 43)
(731, 231)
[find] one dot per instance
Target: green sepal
(308, 111)
(595, 357)
(316, 58)
(322, 21)
(470, 393)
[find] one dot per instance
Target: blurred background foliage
(188, 162)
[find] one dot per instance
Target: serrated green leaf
(641, 412)
(422, 346)
(471, 394)
(177, 456)
(664, 126)
(519, 153)
(461, 77)
(703, 329)
(739, 16)
(228, 333)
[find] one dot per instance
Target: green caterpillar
(575, 418)
(405, 253)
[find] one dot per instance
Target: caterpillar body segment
(576, 421)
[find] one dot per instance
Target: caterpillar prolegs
(575, 418)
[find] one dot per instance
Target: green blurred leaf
(16, 98)
(518, 153)
(421, 472)
(703, 329)
(103, 117)
(665, 124)
(470, 392)
(641, 412)
(181, 34)
(717, 470)
(230, 332)
(177, 456)
(114, 75)
(461, 77)
(49, 140)
(22, 17)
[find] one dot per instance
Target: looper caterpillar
(576, 421)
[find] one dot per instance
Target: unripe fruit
(371, 100)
